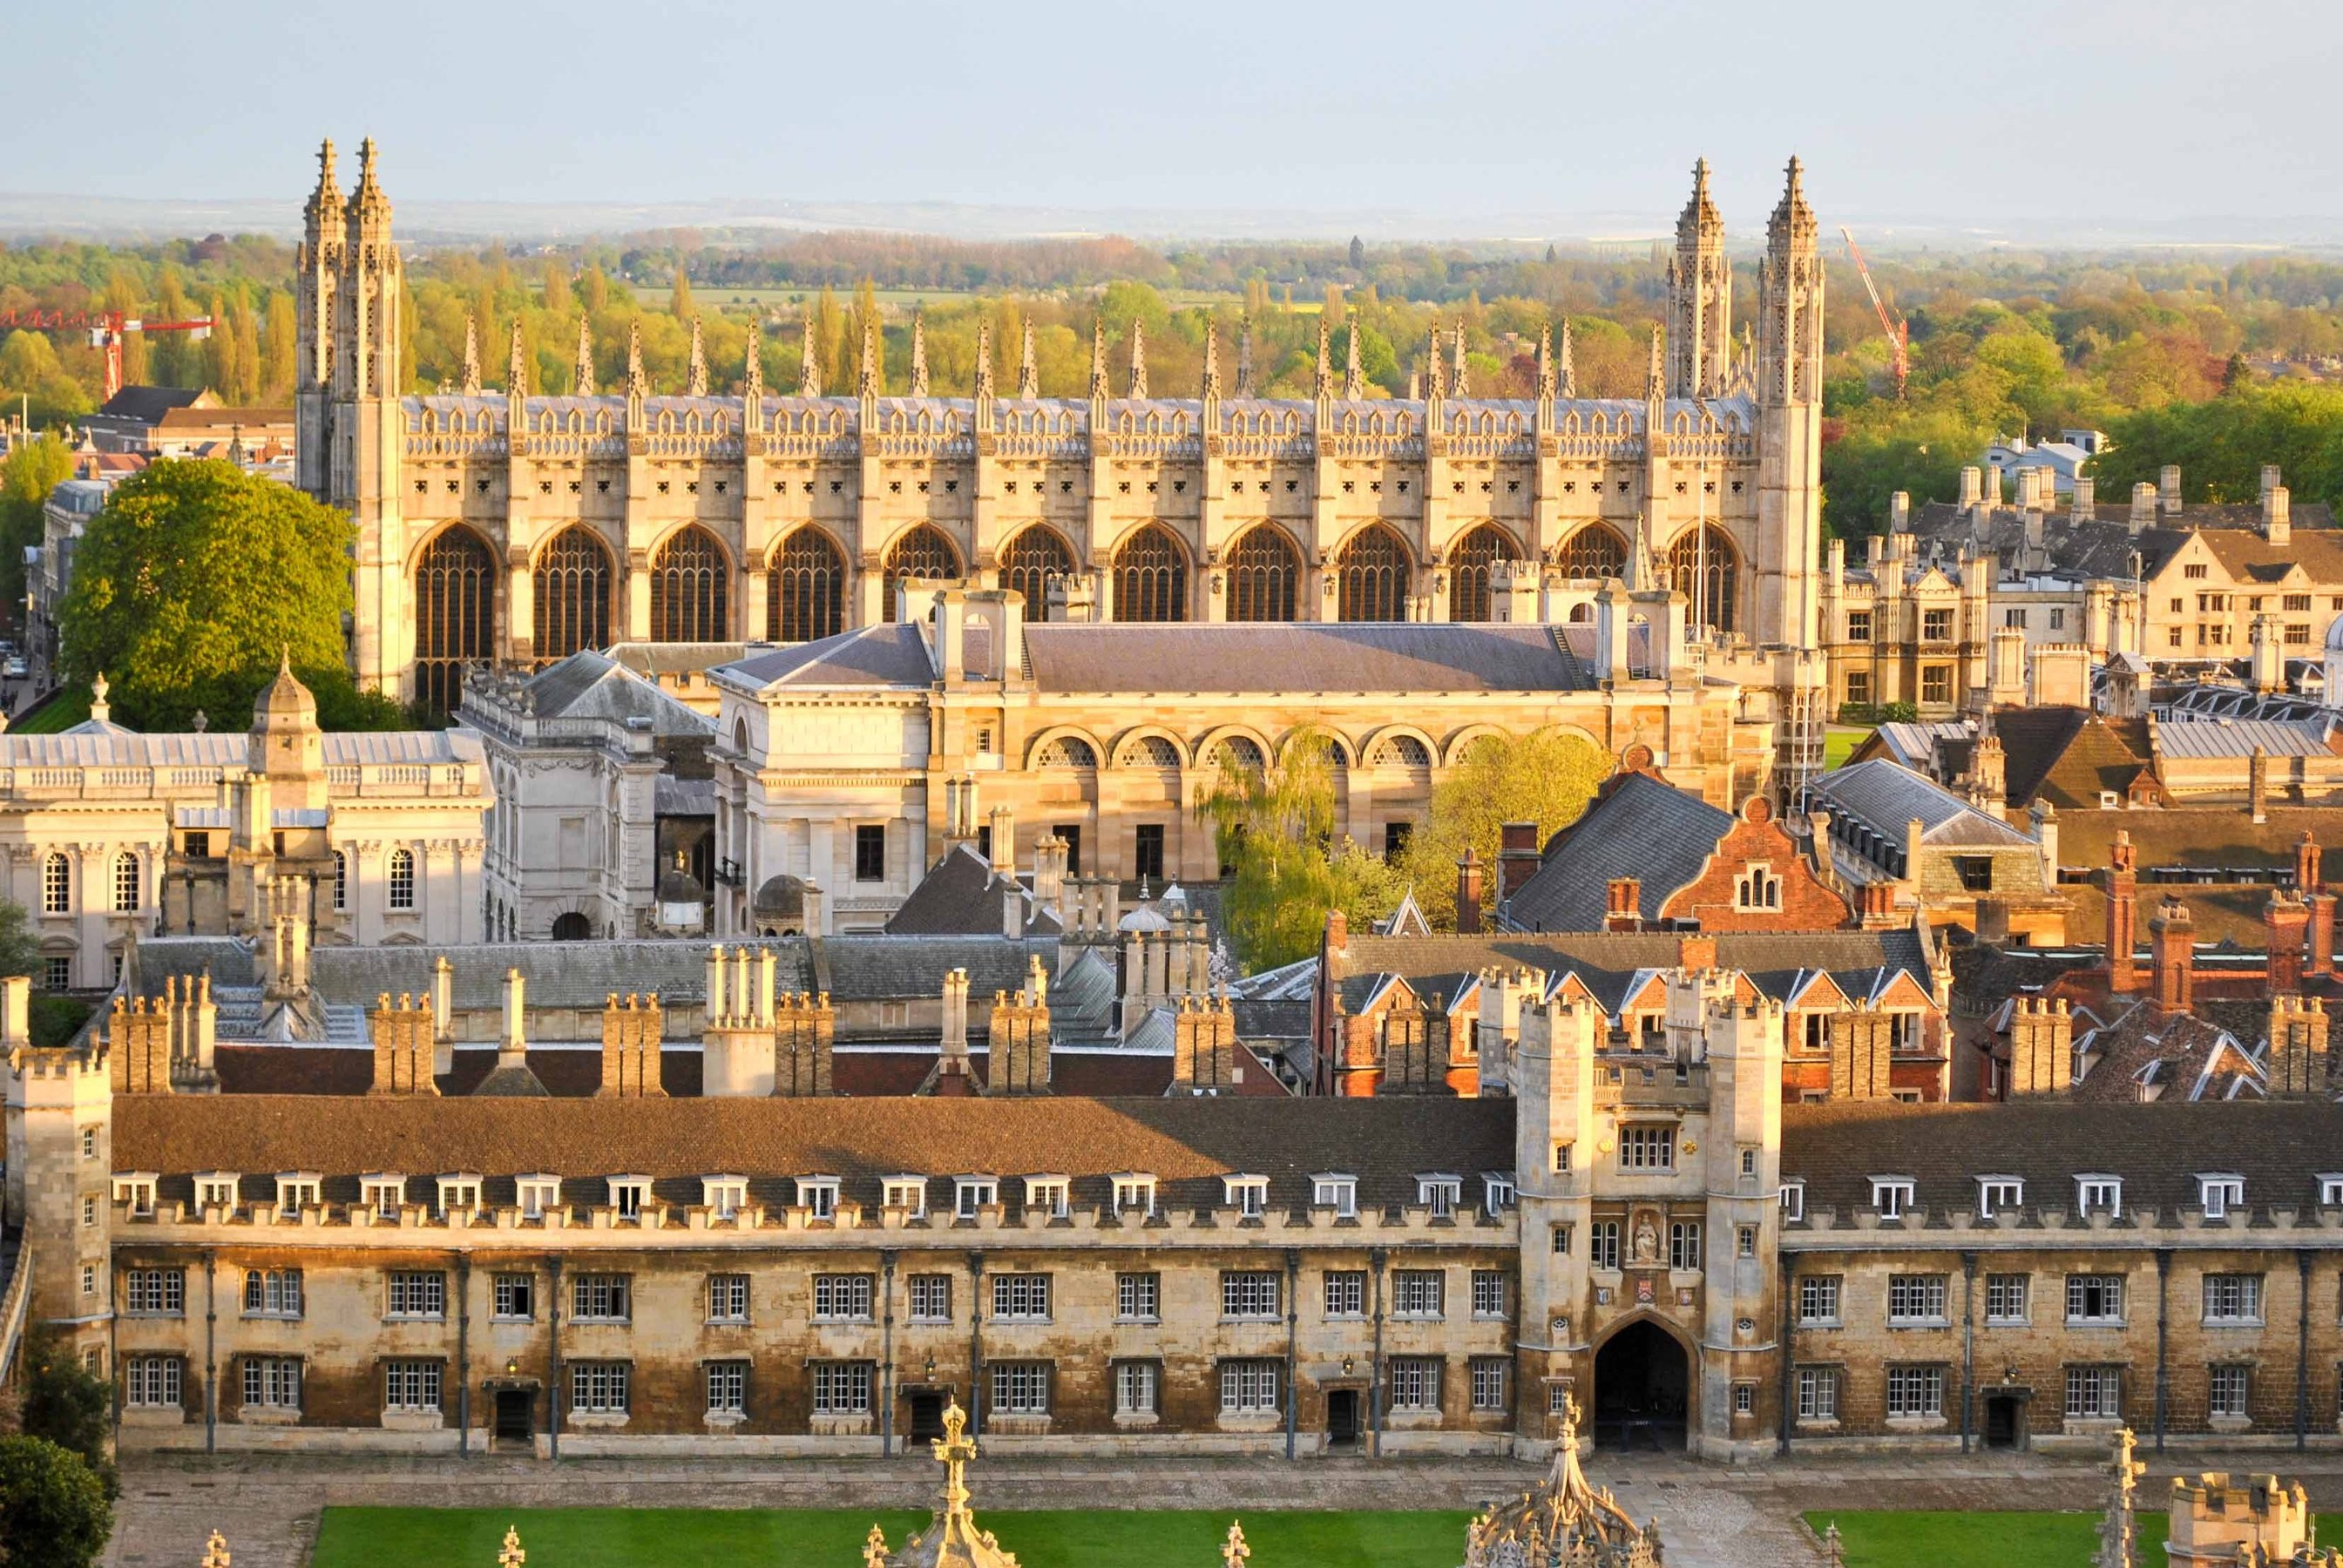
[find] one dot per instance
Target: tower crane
(105, 328)
(1899, 361)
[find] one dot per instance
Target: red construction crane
(105, 328)
(1899, 337)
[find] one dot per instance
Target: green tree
(678, 302)
(1358, 253)
(53, 1512)
(193, 579)
(64, 1401)
(1545, 776)
(27, 475)
(279, 348)
(1274, 825)
(555, 299)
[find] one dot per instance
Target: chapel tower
(1699, 298)
(1787, 553)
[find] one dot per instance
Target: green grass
(820, 1538)
(1983, 1540)
(60, 713)
(1839, 741)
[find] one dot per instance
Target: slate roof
(558, 974)
(890, 654)
(1641, 826)
(589, 685)
(2212, 836)
(2142, 1054)
(1312, 656)
(147, 404)
(871, 969)
(961, 895)
(1885, 796)
(2183, 736)
(2104, 546)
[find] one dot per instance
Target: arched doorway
(454, 616)
(922, 555)
(1704, 568)
(1032, 559)
(691, 589)
(1263, 568)
(805, 592)
(1371, 577)
(1643, 1388)
(572, 580)
(1470, 561)
(1151, 577)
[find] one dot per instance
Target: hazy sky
(2125, 108)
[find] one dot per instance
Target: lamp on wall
(1347, 1364)
(932, 1369)
(512, 1369)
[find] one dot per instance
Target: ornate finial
(516, 372)
(874, 1549)
(808, 363)
(919, 355)
(695, 374)
(1324, 388)
(2116, 1525)
(983, 359)
(1545, 362)
(1212, 361)
(98, 707)
(1833, 1553)
(1098, 360)
(1234, 1553)
(1028, 375)
(1354, 383)
(1565, 378)
(1435, 376)
(639, 384)
(953, 1451)
(1244, 357)
(584, 374)
(215, 1552)
(1566, 1441)
(1138, 360)
(752, 364)
(369, 194)
(869, 377)
(1655, 372)
(468, 378)
(512, 1556)
(1459, 376)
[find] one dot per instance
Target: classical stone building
(511, 527)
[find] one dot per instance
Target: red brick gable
(1805, 903)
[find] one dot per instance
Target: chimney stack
(512, 1046)
(1899, 512)
(2311, 890)
(1468, 894)
(2172, 937)
(2167, 490)
(2278, 514)
(2123, 888)
(1517, 857)
(2041, 1048)
(2143, 508)
(1003, 823)
(1622, 907)
(630, 1048)
(2286, 919)
(2085, 505)
(1971, 488)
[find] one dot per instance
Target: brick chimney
(1468, 894)
(630, 1048)
(2123, 915)
(2286, 919)
(2172, 939)
(2299, 1061)
(1205, 1057)
(1697, 954)
(1623, 904)
(1517, 857)
(2309, 887)
(2041, 1048)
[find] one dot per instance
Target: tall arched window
(1151, 577)
(454, 616)
(1469, 560)
(341, 879)
(1371, 577)
(805, 592)
(125, 883)
(56, 885)
(691, 599)
(1032, 559)
(1593, 553)
(923, 555)
(1264, 570)
(1704, 568)
(402, 878)
(573, 595)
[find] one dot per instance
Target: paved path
(1711, 1516)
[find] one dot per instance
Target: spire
(1324, 388)
(1138, 360)
(1435, 378)
(368, 202)
(919, 355)
(1565, 378)
(1459, 377)
(752, 368)
(983, 359)
(583, 374)
(871, 375)
(467, 380)
(1700, 297)
(517, 371)
(1028, 375)
(1354, 384)
(1655, 372)
(639, 384)
(1244, 357)
(1545, 362)
(808, 363)
(323, 213)
(695, 374)
(1098, 360)
(1211, 388)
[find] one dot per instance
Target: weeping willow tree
(1273, 821)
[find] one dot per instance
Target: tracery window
(1151, 751)
(923, 555)
(1470, 561)
(1593, 553)
(1151, 577)
(1032, 559)
(691, 589)
(1068, 751)
(572, 583)
(806, 590)
(1263, 568)
(1399, 751)
(1705, 568)
(1371, 576)
(454, 616)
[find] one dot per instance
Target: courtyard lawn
(1983, 1540)
(1839, 741)
(820, 1538)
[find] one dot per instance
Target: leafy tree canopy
(27, 475)
(53, 1510)
(1545, 776)
(66, 1402)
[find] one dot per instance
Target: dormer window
(1498, 1192)
(538, 1195)
(296, 1190)
(1340, 1194)
(459, 1195)
(972, 1194)
(908, 1193)
(1793, 1202)
(1050, 1195)
(1893, 1195)
(2330, 1190)
(1248, 1195)
(725, 1196)
(629, 1196)
(2219, 1194)
(1999, 1194)
(1135, 1194)
(2099, 1195)
(216, 1190)
(135, 1190)
(1440, 1194)
(818, 1196)
(386, 1195)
